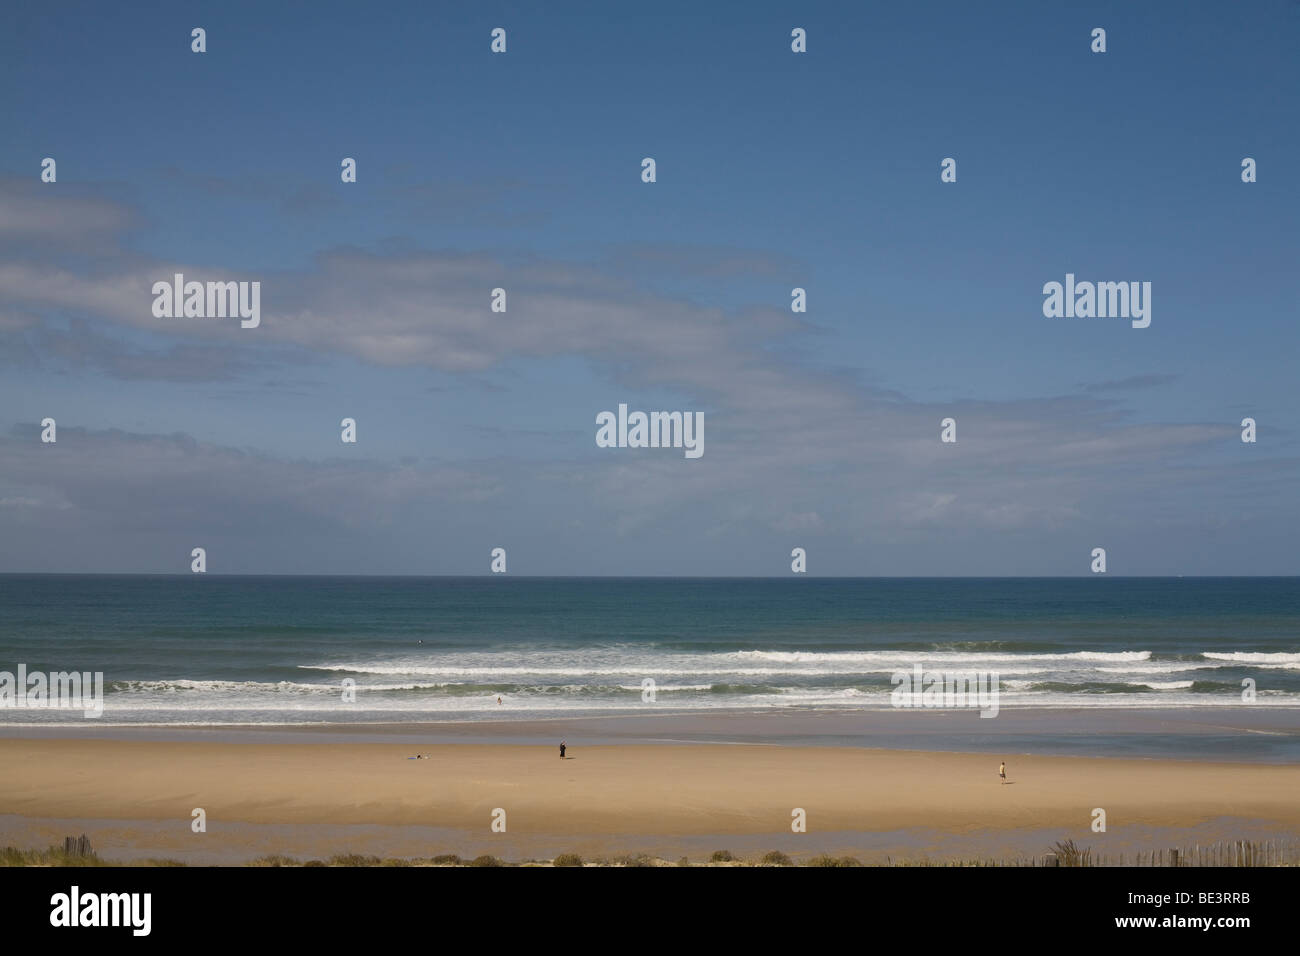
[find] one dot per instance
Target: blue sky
(775, 170)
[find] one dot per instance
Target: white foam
(909, 657)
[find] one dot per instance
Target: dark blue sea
(206, 649)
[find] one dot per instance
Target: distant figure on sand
(1002, 771)
(562, 748)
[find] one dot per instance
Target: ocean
(214, 650)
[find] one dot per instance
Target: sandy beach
(602, 794)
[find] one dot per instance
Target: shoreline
(1242, 735)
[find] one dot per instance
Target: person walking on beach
(562, 748)
(1002, 771)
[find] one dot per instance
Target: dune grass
(1063, 854)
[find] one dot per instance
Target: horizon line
(642, 577)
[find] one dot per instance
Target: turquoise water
(209, 649)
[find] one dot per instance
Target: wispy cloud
(794, 449)
(1132, 383)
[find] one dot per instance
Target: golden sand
(650, 789)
